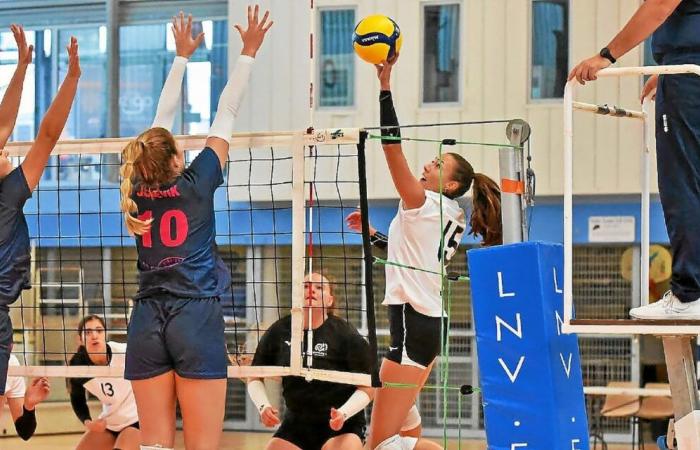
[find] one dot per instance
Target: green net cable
(441, 141)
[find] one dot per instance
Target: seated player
(22, 401)
(117, 427)
(319, 414)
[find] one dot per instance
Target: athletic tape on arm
(258, 394)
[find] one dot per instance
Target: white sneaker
(668, 308)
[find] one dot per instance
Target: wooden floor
(237, 441)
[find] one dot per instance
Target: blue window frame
(550, 48)
(441, 53)
(336, 62)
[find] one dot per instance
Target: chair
(654, 408)
(617, 406)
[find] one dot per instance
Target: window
(146, 53)
(550, 48)
(336, 64)
(24, 128)
(441, 53)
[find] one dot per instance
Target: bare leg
(155, 401)
(347, 441)
(128, 439)
(391, 404)
(92, 440)
(202, 403)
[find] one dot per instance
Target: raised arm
(9, 108)
(221, 129)
(409, 188)
(55, 119)
(650, 16)
(185, 46)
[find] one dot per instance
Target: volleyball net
(280, 213)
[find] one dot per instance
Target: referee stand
(678, 336)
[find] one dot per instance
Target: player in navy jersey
(319, 414)
(425, 233)
(16, 185)
(117, 427)
(176, 350)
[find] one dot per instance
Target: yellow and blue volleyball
(376, 38)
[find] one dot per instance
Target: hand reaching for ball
(384, 72)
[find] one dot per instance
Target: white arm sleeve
(357, 402)
(258, 394)
(170, 95)
(231, 98)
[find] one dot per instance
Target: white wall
(495, 58)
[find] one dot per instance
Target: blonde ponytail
(131, 153)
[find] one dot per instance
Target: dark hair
(485, 220)
(88, 318)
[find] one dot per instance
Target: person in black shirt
(319, 414)
(118, 424)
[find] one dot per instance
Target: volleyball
(376, 38)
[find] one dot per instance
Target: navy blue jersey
(680, 32)
(14, 236)
(178, 255)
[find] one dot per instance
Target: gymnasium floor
(231, 441)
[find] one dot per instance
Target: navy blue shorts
(5, 345)
(180, 334)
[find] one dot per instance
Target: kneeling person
(319, 414)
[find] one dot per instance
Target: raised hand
(254, 35)
(24, 51)
(354, 222)
(73, 59)
(37, 392)
(185, 45)
(384, 72)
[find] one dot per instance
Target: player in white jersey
(425, 234)
(22, 401)
(117, 426)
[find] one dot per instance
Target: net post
(367, 258)
(298, 252)
(513, 204)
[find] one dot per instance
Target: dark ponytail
(485, 220)
(486, 210)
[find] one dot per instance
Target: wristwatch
(605, 53)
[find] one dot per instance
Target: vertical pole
(646, 193)
(681, 374)
(112, 67)
(298, 249)
(568, 200)
(513, 183)
(312, 60)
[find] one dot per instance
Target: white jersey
(115, 394)
(414, 240)
(15, 386)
